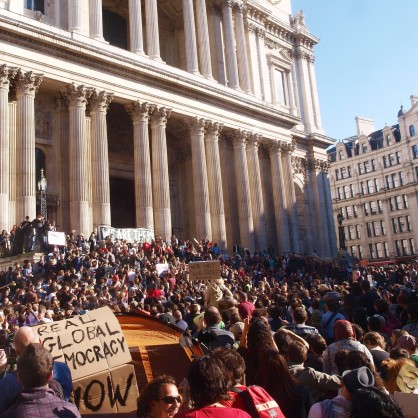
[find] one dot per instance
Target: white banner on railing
(126, 234)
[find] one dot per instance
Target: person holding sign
(215, 292)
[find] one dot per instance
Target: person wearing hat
(341, 405)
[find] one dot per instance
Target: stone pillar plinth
(6, 74)
(99, 103)
(78, 159)
(160, 178)
(27, 84)
(246, 224)
(140, 114)
(200, 180)
(256, 189)
(213, 164)
(135, 27)
(279, 197)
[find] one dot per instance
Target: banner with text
(126, 234)
(205, 270)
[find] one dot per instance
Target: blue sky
(366, 62)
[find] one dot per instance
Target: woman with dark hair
(275, 378)
(372, 402)
(159, 399)
(255, 340)
(208, 387)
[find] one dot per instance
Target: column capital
(60, 103)
(239, 138)
(288, 148)
(254, 140)
(27, 83)
(139, 110)
(228, 3)
(100, 100)
(214, 128)
(6, 75)
(239, 7)
(274, 148)
(160, 115)
(77, 96)
(197, 126)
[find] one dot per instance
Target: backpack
(258, 403)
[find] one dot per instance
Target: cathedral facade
(198, 118)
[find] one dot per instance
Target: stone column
(264, 70)
(203, 40)
(153, 36)
(291, 197)
(6, 74)
(256, 189)
(279, 197)
(27, 84)
(75, 15)
(254, 65)
(99, 104)
(218, 63)
(12, 165)
(78, 158)
(213, 163)
(140, 114)
(96, 20)
(243, 72)
(246, 224)
(135, 27)
(313, 166)
(314, 92)
(190, 37)
(230, 52)
(61, 134)
(200, 180)
(160, 178)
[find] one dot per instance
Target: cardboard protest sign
(113, 391)
(408, 402)
(205, 270)
(161, 267)
(88, 343)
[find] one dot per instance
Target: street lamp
(341, 236)
(42, 186)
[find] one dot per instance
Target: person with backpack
(252, 399)
(341, 405)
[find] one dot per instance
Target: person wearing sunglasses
(159, 399)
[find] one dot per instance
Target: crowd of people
(313, 338)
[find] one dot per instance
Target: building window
(405, 201)
(378, 249)
(401, 224)
(391, 159)
(115, 29)
(363, 187)
(279, 87)
(395, 180)
(337, 174)
(398, 248)
(408, 223)
(369, 186)
(360, 251)
(398, 201)
(376, 184)
(366, 208)
(373, 165)
(358, 231)
(416, 173)
(385, 161)
(364, 148)
(339, 193)
(35, 5)
(388, 139)
(380, 206)
(353, 250)
(343, 172)
(355, 211)
(392, 204)
(401, 179)
(376, 229)
(373, 209)
(349, 171)
(388, 183)
(346, 196)
(411, 130)
(367, 167)
(398, 157)
(351, 190)
(386, 249)
(369, 229)
(360, 168)
(405, 250)
(415, 151)
(412, 245)
(382, 227)
(371, 251)
(395, 226)
(351, 231)
(341, 154)
(348, 212)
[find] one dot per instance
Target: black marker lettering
(91, 334)
(110, 331)
(69, 324)
(99, 331)
(97, 352)
(112, 344)
(86, 396)
(122, 343)
(42, 329)
(116, 396)
(80, 338)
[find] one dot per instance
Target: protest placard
(161, 268)
(94, 348)
(408, 402)
(56, 238)
(205, 270)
